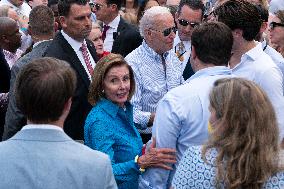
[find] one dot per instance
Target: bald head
(10, 37)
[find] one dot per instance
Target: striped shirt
(153, 80)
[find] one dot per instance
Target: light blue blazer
(49, 159)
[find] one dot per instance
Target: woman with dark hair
(243, 150)
(109, 126)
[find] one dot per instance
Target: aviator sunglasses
(167, 31)
(272, 25)
(186, 23)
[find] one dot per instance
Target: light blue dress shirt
(152, 80)
(193, 172)
(181, 121)
(257, 66)
(111, 130)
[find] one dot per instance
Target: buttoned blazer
(126, 39)
(49, 159)
(61, 49)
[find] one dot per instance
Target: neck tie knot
(180, 50)
(105, 28)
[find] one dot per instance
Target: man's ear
(62, 21)
(237, 33)
(113, 7)
(263, 27)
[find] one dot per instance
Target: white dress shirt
(113, 25)
(76, 45)
(187, 45)
(42, 126)
(257, 66)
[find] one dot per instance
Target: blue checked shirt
(153, 81)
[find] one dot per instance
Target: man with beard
(72, 46)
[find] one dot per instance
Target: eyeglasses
(96, 5)
(272, 25)
(186, 23)
(167, 31)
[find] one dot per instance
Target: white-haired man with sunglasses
(155, 65)
(189, 15)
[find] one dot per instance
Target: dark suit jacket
(4, 74)
(61, 49)
(126, 39)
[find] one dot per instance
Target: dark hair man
(71, 45)
(248, 59)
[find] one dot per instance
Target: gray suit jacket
(15, 120)
(50, 159)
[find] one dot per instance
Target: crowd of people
(148, 94)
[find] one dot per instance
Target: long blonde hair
(245, 135)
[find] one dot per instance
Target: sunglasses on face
(167, 31)
(272, 25)
(96, 5)
(186, 23)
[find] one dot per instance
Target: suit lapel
(121, 27)
(73, 59)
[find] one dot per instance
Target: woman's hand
(157, 157)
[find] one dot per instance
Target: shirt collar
(39, 42)
(152, 53)
(177, 40)
(114, 23)
(42, 126)
(76, 45)
(112, 108)
(210, 71)
(254, 52)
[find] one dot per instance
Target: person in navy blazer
(75, 19)
(120, 37)
(41, 155)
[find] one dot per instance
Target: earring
(103, 91)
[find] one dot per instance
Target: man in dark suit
(119, 36)
(71, 45)
(42, 32)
